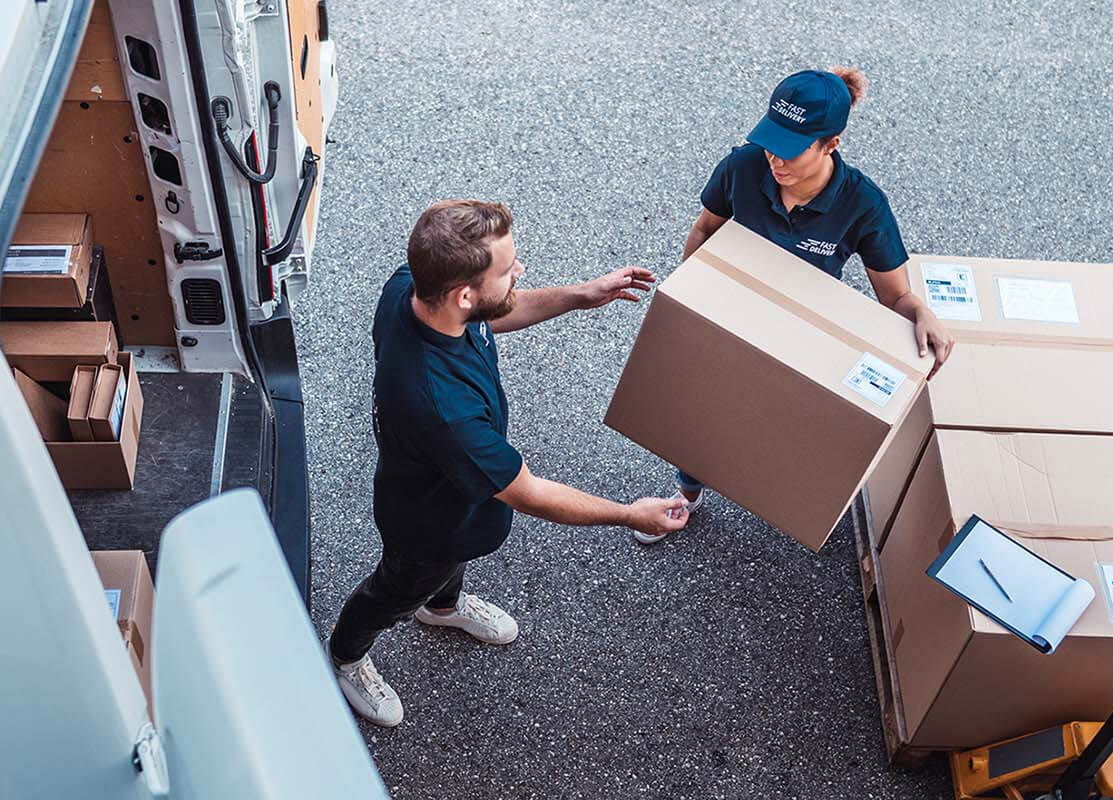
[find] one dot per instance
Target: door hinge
(149, 760)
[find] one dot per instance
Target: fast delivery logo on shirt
(818, 247)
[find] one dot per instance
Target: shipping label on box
(31, 259)
(950, 291)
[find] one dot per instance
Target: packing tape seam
(802, 311)
(1078, 533)
(1031, 340)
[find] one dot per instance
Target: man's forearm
(560, 503)
(908, 305)
(538, 305)
(696, 237)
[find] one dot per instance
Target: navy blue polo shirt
(440, 419)
(851, 214)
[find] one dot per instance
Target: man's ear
(833, 144)
(463, 298)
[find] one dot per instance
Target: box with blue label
(768, 380)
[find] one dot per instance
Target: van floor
(180, 451)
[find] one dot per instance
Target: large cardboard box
(50, 351)
(131, 597)
(105, 464)
(769, 380)
(964, 680)
(1034, 353)
(47, 264)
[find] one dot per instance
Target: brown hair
(856, 83)
(449, 245)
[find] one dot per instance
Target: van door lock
(195, 251)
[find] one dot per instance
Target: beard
(487, 309)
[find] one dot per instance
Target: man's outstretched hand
(618, 285)
(654, 515)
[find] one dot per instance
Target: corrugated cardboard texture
(739, 382)
(94, 163)
(305, 47)
(52, 291)
(127, 571)
(964, 679)
(49, 351)
(104, 465)
(48, 411)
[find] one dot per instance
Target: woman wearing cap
(790, 185)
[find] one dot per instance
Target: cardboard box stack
(131, 596)
(769, 380)
(47, 265)
(1016, 429)
(83, 395)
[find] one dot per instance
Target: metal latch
(150, 761)
(195, 251)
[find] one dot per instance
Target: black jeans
(397, 588)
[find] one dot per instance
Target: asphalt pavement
(728, 661)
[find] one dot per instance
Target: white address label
(950, 291)
(1038, 300)
(35, 259)
(874, 379)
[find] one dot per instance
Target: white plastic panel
(246, 702)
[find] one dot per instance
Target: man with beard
(447, 480)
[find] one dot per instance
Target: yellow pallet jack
(1068, 762)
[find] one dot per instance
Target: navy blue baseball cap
(806, 106)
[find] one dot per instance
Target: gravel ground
(727, 662)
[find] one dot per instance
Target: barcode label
(35, 259)
(874, 379)
(950, 291)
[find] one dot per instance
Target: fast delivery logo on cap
(792, 111)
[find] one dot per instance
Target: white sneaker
(368, 693)
(485, 621)
(693, 505)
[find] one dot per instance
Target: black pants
(397, 588)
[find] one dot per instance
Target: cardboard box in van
(965, 680)
(50, 351)
(1034, 352)
(769, 380)
(47, 263)
(130, 595)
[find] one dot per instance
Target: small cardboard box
(48, 411)
(105, 464)
(47, 264)
(769, 380)
(131, 597)
(1010, 370)
(81, 396)
(106, 406)
(964, 680)
(50, 351)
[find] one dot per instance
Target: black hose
(221, 112)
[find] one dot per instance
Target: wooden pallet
(877, 623)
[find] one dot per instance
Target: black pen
(993, 578)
